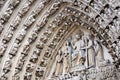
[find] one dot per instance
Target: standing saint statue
(66, 63)
(59, 63)
(78, 51)
(66, 58)
(99, 52)
(90, 50)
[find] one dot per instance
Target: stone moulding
(29, 44)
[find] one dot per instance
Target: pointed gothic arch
(30, 41)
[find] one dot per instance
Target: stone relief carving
(1, 27)
(34, 58)
(78, 51)
(14, 49)
(2, 49)
(19, 66)
(44, 62)
(39, 72)
(82, 54)
(91, 50)
(29, 22)
(59, 64)
(66, 64)
(48, 53)
(7, 66)
(99, 52)
(26, 48)
(27, 76)
(8, 36)
(21, 35)
(16, 21)
(101, 14)
(25, 8)
(30, 67)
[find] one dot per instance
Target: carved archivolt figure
(59, 63)
(39, 72)
(2, 49)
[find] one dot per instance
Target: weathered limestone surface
(59, 40)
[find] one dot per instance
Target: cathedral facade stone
(59, 40)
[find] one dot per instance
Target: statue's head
(79, 35)
(82, 60)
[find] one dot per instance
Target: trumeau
(59, 40)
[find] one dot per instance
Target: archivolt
(45, 31)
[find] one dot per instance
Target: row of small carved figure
(6, 15)
(40, 70)
(36, 53)
(103, 73)
(43, 39)
(51, 46)
(12, 28)
(108, 11)
(33, 59)
(107, 15)
(101, 7)
(18, 41)
(28, 23)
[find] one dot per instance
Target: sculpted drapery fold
(86, 53)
